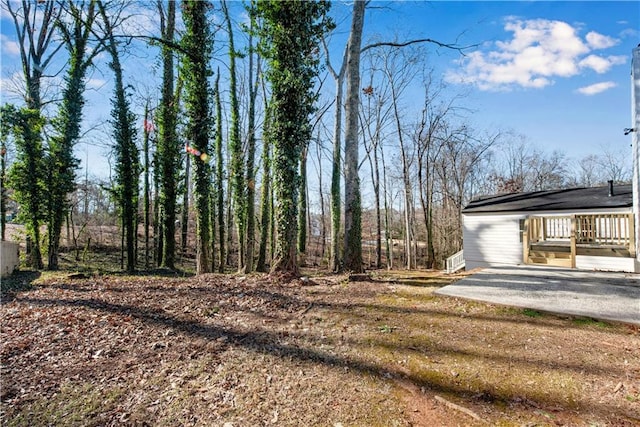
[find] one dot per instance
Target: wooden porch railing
(605, 229)
(590, 232)
(596, 229)
(545, 228)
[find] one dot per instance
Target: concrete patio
(598, 295)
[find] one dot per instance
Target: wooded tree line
(398, 180)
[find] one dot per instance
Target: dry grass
(250, 350)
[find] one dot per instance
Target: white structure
(583, 228)
(635, 122)
(589, 228)
(9, 257)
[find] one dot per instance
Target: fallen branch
(459, 408)
(306, 310)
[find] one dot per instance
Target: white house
(584, 228)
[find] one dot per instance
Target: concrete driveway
(599, 295)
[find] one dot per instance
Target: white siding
(635, 123)
(601, 263)
(492, 240)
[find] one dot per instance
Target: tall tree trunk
(212, 224)
(292, 31)
(353, 205)
(406, 181)
(197, 42)
(184, 222)
(238, 183)
(35, 25)
(335, 260)
(336, 167)
(372, 156)
(157, 222)
(169, 146)
(251, 157)
(127, 156)
(423, 188)
(265, 203)
(323, 222)
(302, 209)
(376, 174)
(62, 162)
(147, 190)
(387, 214)
(219, 193)
(3, 190)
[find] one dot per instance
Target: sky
(557, 73)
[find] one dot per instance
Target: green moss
(531, 313)
(586, 321)
(75, 404)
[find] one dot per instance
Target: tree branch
(459, 48)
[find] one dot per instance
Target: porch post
(573, 241)
(525, 241)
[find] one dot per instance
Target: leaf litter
(257, 350)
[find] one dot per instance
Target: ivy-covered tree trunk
(27, 174)
(35, 24)
(157, 216)
(127, 169)
(265, 208)
(289, 40)
(302, 210)
(31, 180)
(169, 146)
(353, 204)
(219, 194)
(184, 220)
(3, 184)
(197, 45)
(61, 163)
(212, 223)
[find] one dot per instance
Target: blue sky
(556, 72)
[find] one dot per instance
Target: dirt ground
(231, 350)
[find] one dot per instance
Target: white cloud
(9, 47)
(601, 65)
(596, 88)
(629, 33)
(599, 41)
(538, 51)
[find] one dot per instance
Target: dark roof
(554, 200)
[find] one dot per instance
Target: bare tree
(352, 204)
(336, 164)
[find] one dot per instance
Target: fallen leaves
(251, 350)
